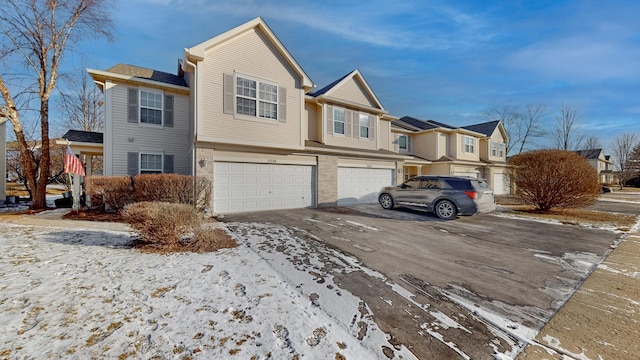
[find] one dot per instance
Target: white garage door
(360, 185)
(239, 187)
(500, 184)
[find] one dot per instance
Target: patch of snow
(555, 343)
(362, 225)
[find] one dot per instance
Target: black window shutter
(168, 164)
(132, 163)
(132, 101)
(168, 110)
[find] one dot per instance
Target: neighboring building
(242, 112)
(439, 149)
(600, 162)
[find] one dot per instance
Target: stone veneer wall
(327, 181)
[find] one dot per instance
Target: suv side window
(430, 184)
(412, 183)
(459, 184)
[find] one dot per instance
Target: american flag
(72, 164)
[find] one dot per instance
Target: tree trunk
(39, 199)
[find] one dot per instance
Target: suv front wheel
(386, 201)
(446, 210)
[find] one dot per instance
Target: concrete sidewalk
(602, 318)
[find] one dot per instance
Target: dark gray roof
(485, 128)
(148, 74)
(328, 87)
(589, 153)
(83, 136)
(420, 124)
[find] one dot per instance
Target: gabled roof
(486, 128)
(590, 154)
(83, 136)
(356, 76)
(197, 52)
(420, 124)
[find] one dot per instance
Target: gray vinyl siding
(252, 55)
(353, 91)
(133, 137)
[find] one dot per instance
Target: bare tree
(522, 127)
(621, 149)
(592, 143)
(34, 37)
(567, 134)
(82, 104)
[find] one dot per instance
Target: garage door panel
(361, 185)
(242, 187)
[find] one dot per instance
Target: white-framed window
(338, 120)
(256, 98)
(150, 107)
(494, 149)
(469, 144)
(364, 126)
(403, 142)
(150, 163)
(501, 150)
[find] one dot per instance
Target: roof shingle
(148, 74)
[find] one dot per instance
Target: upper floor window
(494, 149)
(403, 142)
(364, 125)
(338, 120)
(256, 98)
(469, 144)
(150, 163)
(150, 107)
(501, 150)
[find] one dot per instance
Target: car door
(406, 193)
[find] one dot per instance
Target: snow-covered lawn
(79, 293)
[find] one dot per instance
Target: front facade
(244, 114)
(601, 163)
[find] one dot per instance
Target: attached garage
(500, 184)
(240, 187)
(361, 185)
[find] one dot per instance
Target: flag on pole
(72, 164)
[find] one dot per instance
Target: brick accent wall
(327, 181)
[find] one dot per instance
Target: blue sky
(442, 60)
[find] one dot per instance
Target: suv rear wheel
(446, 210)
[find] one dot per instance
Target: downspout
(195, 127)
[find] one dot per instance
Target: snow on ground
(77, 293)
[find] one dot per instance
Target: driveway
(498, 278)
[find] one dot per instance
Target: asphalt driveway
(520, 270)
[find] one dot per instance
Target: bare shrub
(173, 188)
(113, 191)
(165, 227)
(554, 178)
(160, 223)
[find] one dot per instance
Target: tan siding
(167, 140)
(497, 138)
(426, 146)
(353, 91)
(384, 132)
(354, 142)
(461, 155)
(252, 55)
(311, 115)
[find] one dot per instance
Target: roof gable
(83, 136)
(590, 154)
(197, 52)
(352, 78)
(489, 128)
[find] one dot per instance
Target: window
(256, 98)
(494, 149)
(403, 142)
(150, 163)
(364, 125)
(501, 150)
(469, 144)
(338, 121)
(150, 107)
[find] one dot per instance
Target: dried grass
(622, 222)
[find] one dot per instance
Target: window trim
(406, 144)
(501, 149)
(344, 120)
(150, 171)
(260, 103)
(362, 116)
(140, 107)
(494, 149)
(469, 148)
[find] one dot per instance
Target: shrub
(173, 188)
(113, 191)
(162, 224)
(554, 178)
